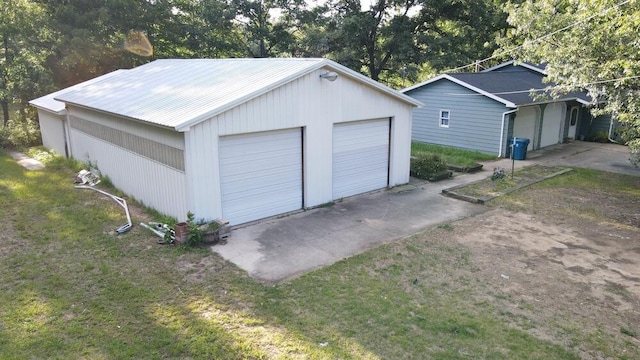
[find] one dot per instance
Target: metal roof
(178, 93)
(49, 103)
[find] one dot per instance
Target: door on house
(552, 124)
(573, 122)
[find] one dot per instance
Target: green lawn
(71, 289)
(452, 156)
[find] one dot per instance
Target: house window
(444, 118)
(574, 116)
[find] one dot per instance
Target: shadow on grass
(72, 289)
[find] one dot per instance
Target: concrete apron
(284, 247)
(281, 248)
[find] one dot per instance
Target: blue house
(483, 111)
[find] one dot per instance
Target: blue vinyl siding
(474, 119)
(599, 124)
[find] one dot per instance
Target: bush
(427, 164)
(600, 137)
(196, 235)
(20, 135)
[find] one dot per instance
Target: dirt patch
(552, 274)
(562, 261)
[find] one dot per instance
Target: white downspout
(66, 127)
(611, 130)
(504, 114)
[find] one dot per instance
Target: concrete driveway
(275, 249)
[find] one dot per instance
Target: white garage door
(360, 157)
(524, 125)
(551, 123)
(261, 174)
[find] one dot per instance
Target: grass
(70, 289)
(609, 197)
(452, 156)
(508, 182)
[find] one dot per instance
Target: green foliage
(71, 289)
(596, 51)
(20, 135)
(106, 182)
(628, 331)
(391, 40)
(498, 174)
(25, 43)
(427, 164)
(195, 236)
(53, 160)
(600, 137)
(452, 156)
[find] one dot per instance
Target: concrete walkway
(275, 249)
(605, 157)
(25, 161)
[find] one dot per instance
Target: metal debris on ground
(86, 177)
(164, 231)
(122, 202)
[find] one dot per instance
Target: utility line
(543, 36)
(548, 88)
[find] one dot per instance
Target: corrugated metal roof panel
(177, 93)
(49, 103)
(174, 91)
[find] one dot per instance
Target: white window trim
(441, 118)
(577, 109)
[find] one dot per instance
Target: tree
(93, 33)
(25, 42)
(590, 45)
(203, 29)
(267, 26)
(394, 39)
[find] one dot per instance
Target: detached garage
(52, 117)
(240, 139)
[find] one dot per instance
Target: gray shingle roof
(512, 88)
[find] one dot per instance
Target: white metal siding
(261, 174)
(551, 124)
(310, 103)
(52, 130)
(155, 185)
(525, 124)
(154, 133)
(360, 157)
(152, 183)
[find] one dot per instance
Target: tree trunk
(5, 111)
(263, 48)
(4, 102)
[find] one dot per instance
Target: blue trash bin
(520, 148)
